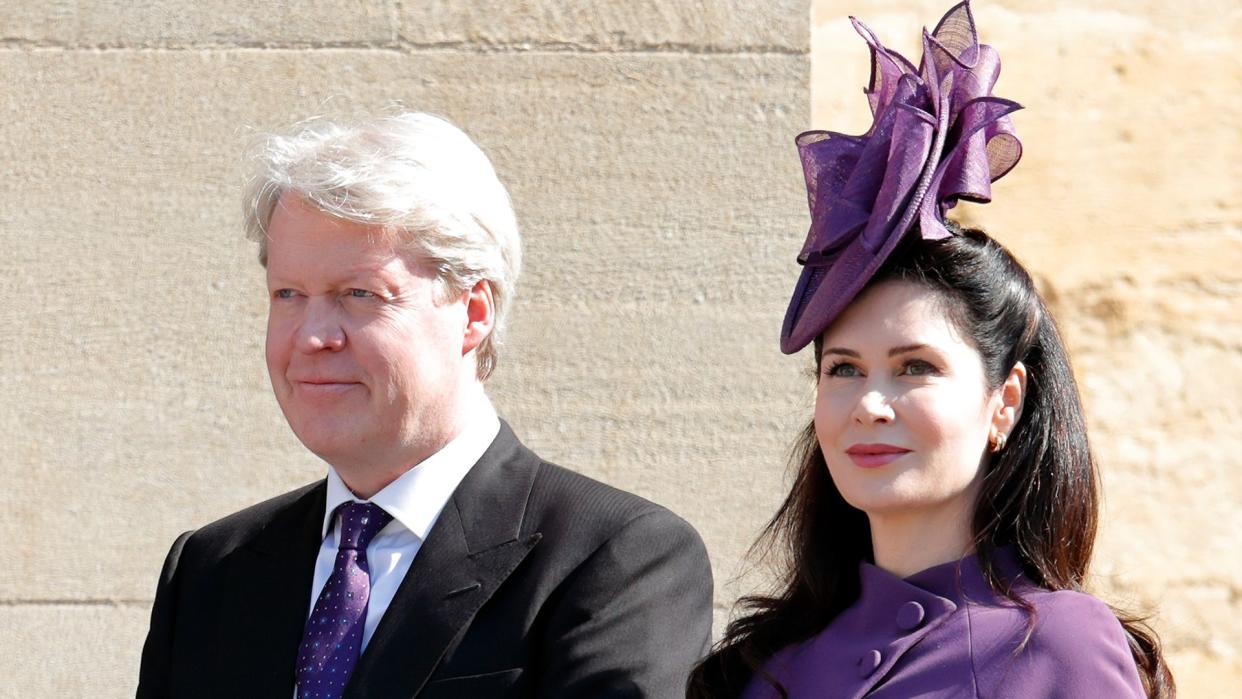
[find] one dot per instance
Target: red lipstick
(875, 455)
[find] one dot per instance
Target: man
(440, 557)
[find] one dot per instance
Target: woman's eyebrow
(902, 349)
(906, 348)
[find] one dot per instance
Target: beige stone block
(72, 650)
(1131, 158)
(147, 23)
(659, 200)
(672, 403)
(725, 25)
(1159, 363)
(1205, 676)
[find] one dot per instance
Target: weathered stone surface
(700, 426)
(730, 25)
(1160, 365)
(1207, 675)
(658, 198)
(59, 650)
(724, 25)
(119, 23)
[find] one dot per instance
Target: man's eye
(361, 294)
(842, 369)
(283, 293)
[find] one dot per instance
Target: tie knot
(360, 522)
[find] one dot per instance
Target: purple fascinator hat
(938, 136)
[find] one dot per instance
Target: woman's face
(903, 412)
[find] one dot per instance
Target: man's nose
(321, 328)
(874, 406)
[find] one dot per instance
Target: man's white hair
(409, 174)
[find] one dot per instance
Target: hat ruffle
(938, 136)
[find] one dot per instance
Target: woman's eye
(918, 367)
(361, 294)
(842, 369)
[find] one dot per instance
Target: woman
(939, 530)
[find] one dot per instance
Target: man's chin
(331, 444)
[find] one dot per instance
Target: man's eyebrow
(903, 349)
(345, 279)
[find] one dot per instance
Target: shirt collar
(416, 498)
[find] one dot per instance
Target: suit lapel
(269, 597)
(475, 544)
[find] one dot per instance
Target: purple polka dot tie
(333, 636)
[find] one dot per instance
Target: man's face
(367, 366)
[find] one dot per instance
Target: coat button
(869, 662)
(910, 616)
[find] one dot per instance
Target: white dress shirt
(415, 501)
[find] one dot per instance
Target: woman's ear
(1012, 395)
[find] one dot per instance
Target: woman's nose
(873, 407)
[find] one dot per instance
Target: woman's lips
(875, 455)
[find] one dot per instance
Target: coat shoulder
(1066, 620)
(1068, 644)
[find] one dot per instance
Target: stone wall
(646, 145)
(648, 148)
(1127, 205)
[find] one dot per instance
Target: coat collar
(957, 581)
(473, 547)
(863, 643)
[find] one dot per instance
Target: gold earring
(998, 444)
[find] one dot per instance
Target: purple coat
(935, 635)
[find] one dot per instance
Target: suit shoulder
(560, 488)
(228, 532)
(565, 499)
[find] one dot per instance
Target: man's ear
(1012, 395)
(480, 315)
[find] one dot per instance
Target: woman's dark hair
(1039, 495)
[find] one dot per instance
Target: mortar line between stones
(69, 602)
(409, 47)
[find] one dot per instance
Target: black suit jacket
(534, 582)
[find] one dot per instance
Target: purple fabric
(944, 633)
(938, 136)
(333, 637)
